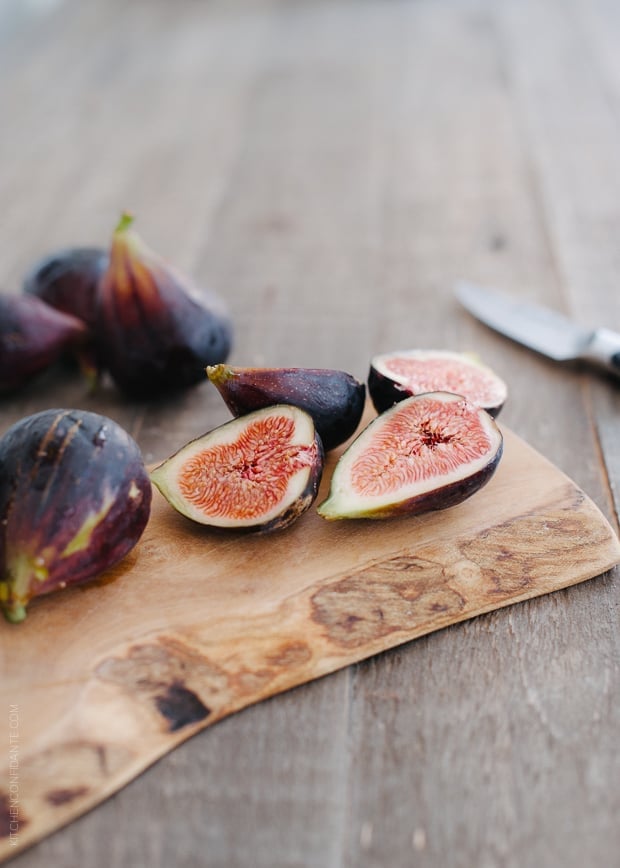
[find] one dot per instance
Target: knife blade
(546, 331)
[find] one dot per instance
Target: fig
(334, 399)
(258, 472)
(67, 280)
(425, 453)
(396, 376)
(33, 335)
(155, 332)
(75, 497)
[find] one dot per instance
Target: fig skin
(67, 279)
(334, 399)
(33, 336)
(436, 492)
(386, 389)
(155, 333)
(75, 498)
(253, 454)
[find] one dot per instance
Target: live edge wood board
(196, 625)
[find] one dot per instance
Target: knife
(541, 329)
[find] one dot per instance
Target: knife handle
(603, 349)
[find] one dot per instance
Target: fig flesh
(155, 332)
(396, 376)
(67, 280)
(258, 472)
(334, 399)
(428, 452)
(75, 498)
(33, 335)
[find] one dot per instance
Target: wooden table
(331, 167)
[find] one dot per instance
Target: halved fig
(334, 399)
(425, 453)
(396, 376)
(258, 472)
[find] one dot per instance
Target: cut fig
(75, 498)
(428, 452)
(334, 399)
(258, 472)
(396, 376)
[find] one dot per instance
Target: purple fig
(396, 376)
(155, 332)
(75, 498)
(428, 452)
(334, 399)
(258, 472)
(67, 280)
(33, 336)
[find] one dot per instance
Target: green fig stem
(219, 373)
(14, 610)
(15, 613)
(15, 590)
(125, 222)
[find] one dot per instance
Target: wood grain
(332, 166)
(190, 629)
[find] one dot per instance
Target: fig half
(258, 472)
(425, 453)
(156, 333)
(334, 399)
(396, 376)
(74, 499)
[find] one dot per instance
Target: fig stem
(15, 613)
(125, 222)
(219, 373)
(14, 610)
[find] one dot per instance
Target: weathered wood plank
(332, 168)
(496, 728)
(254, 617)
(456, 723)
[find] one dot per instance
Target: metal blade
(536, 327)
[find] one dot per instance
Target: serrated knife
(541, 329)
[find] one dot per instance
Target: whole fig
(67, 280)
(33, 336)
(75, 498)
(155, 332)
(334, 399)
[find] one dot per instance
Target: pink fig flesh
(258, 472)
(428, 452)
(396, 376)
(333, 398)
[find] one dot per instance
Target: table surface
(331, 167)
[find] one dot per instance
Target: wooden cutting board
(101, 681)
